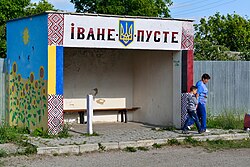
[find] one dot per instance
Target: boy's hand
(197, 95)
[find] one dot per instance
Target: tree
(11, 9)
(40, 7)
(154, 8)
(218, 34)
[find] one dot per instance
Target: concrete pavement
(120, 135)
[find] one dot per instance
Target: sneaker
(201, 131)
(188, 127)
(207, 131)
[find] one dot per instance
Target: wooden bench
(122, 111)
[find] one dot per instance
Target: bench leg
(126, 115)
(81, 115)
(122, 116)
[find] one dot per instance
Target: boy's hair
(193, 88)
(205, 76)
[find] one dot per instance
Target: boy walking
(202, 100)
(191, 110)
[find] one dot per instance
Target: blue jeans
(192, 116)
(202, 115)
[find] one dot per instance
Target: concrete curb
(110, 146)
(76, 149)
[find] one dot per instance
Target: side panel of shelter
(187, 65)
(26, 81)
(55, 72)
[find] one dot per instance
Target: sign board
(121, 33)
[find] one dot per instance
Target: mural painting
(28, 98)
(27, 64)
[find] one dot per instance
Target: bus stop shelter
(55, 59)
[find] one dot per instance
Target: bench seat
(122, 111)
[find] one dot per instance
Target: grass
(89, 135)
(228, 119)
(219, 144)
(190, 140)
(16, 135)
(226, 144)
(156, 145)
(211, 145)
(143, 148)
(39, 132)
(134, 149)
(3, 153)
(130, 149)
(172, 142)
(11, 134)
(30, 149)
(65, 132)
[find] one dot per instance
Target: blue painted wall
(31, 56)
(27, 64)
(59, 70)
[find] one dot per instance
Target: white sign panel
(130, 33)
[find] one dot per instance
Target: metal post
(89, 114)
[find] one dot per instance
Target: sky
(186, 9)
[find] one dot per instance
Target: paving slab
(88, 148)
(121, 135)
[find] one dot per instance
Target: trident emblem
(126, 32)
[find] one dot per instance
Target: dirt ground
(164, 157)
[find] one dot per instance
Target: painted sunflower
(27, 87)
(44, 91)
(32, 77)
(14, 68)
(41, 72)
(36, 85)
(19, 78)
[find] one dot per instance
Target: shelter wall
(124, 78)
(111, 71)
(153, 83)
